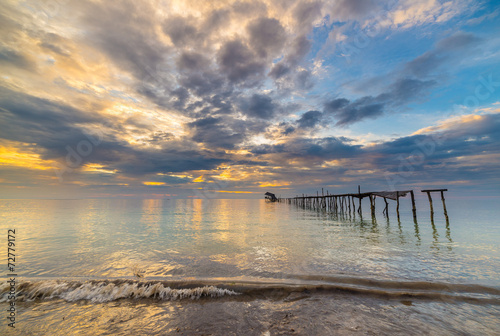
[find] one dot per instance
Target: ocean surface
(247, 267)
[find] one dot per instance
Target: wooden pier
(429, 191)
(347, 204)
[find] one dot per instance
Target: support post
(414, 208)
(430, 202)
(397, 203)
(372, 204)
(444, 204)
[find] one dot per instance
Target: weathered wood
(433, 190)
(391, 194)
(341, 203)
(397, 202)
(444, 204)
(414, 208)
(372, 205)
(430, 201)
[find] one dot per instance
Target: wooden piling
(444, 204)
(430, 201)
(414, 208)
(372, 204)
(397, 203)
(341, 204)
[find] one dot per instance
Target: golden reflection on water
(151, 215)
(190, 238)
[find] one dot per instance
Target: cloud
(410, 13)
(259, 106)
(51, 126)
(214, 133)
(54, 127)
(344, 10)
(309, 119)
(180, 31)
(266, 36)
(17, 59)
(306, 13)
(224, 132)
(454, 146)
(199, 86)
(239, 63)
(400, 92)
(317, 150)
(445, 50)
(125, 31)
(360, 109)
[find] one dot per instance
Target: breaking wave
(105, 291)
(100, 291)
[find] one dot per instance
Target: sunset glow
(127, 97)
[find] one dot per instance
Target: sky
(230, 99)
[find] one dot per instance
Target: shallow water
(249, 267)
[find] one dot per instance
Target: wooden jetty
(345, 203)
(429, 191)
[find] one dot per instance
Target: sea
(247, 267)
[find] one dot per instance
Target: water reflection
(197, 238)
(370, 228)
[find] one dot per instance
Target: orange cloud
(154, 183)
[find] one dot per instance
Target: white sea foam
(106, 291)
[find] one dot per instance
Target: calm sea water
(246, 267)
